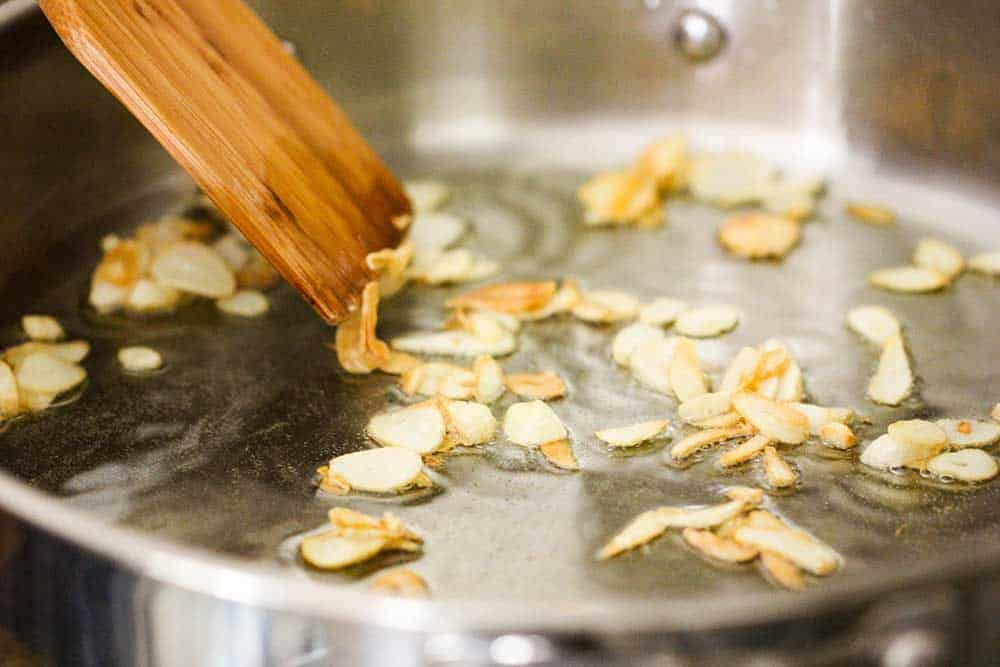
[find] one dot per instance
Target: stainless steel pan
(153, 521)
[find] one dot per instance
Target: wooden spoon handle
(277, 156)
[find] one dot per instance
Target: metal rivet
(698, 36)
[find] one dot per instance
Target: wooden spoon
(277, 156)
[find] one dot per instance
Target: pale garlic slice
(662, 311)
(621, 197)
(419, 428)
(490, 379)
(513, 298)
(750, 495)
(401, 582)
(705, 406)
(713, 436)
(334, 551)
(778, 471)
(887, 453)
(939, 256)
(759, 235)
(919, 433)
(72, 352)
(469, 424)
(966, 465)
(742, 370)
(381, 470)
(722, 421)
(988, 263)
(34, 401)
(644, 528)
(744, 451)
(686, 379)
(630, 337)
(963, 433)
(873, 214)
(837, 435)
(560, 454)
(45, 373)
(10, 395)
(718, 548)
(633, 434)
(605, 306)
(819, 416)
(797, 546)
(775, 420)
(873, 323)
(792, 198)
(455, 343)
(650, 363)
(782, 571)
(390, 265)
(138, 359)
(425, 195)
(438, 379)
(432, 231)
(730, 178)
(532, 423)
(707, 321)
(149, 296)
(244, 303)
(664, 161)
(791, 386)
(194, 268)
(893, 381)
(913, 279)
(543, 386)
(44, 328)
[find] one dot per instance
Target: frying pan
(153, 520)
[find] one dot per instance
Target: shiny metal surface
(178, 494)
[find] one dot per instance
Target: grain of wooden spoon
(277, 156)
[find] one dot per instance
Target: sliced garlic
(873, 214)
(705, 406)
(650, 363)
(72, 352)
(686, 379)
(563, 301)
(885, 453)
(632, 435)
(629, 338)
(233, 250)
(45, 373)
(455, 343)
(532, 423)
(873, 323)
(741, 371)
(438, 379)
(490, 380)
(730, 179)
(10, 395)
(401, 583)
(664, 161)
(744, 452)
(620, 198)
(443, 268)
(194, 268)
(967, 465)
(939, 256)
(469, 424)
(836, 435)
(963, 433)
(137, 359)
(42, 328)
(382, 470)
(425, 195)
(775, 420)
(717, 547)
(398, 363)
(662, 311)
(390, 265)
(797, 546)
(106, 297)
(782, 571)
(419, 428)
(790, 387)
(359, 349)
(722, 421)
(795, 199)
(148, 296)
(779, 473)
(893, 381)
(918, 433)
(560, 454)
(432, 231)
(334, 551)
(604, 306)
(245, 303)
(34, 401)
(651, 524)
(908, 279)
(512, 298)
(988, 263)
(748, 494)
(819, 416)
(707, 321)
(713, 436)
(542, 386)
(759, 235)
(642, 529)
